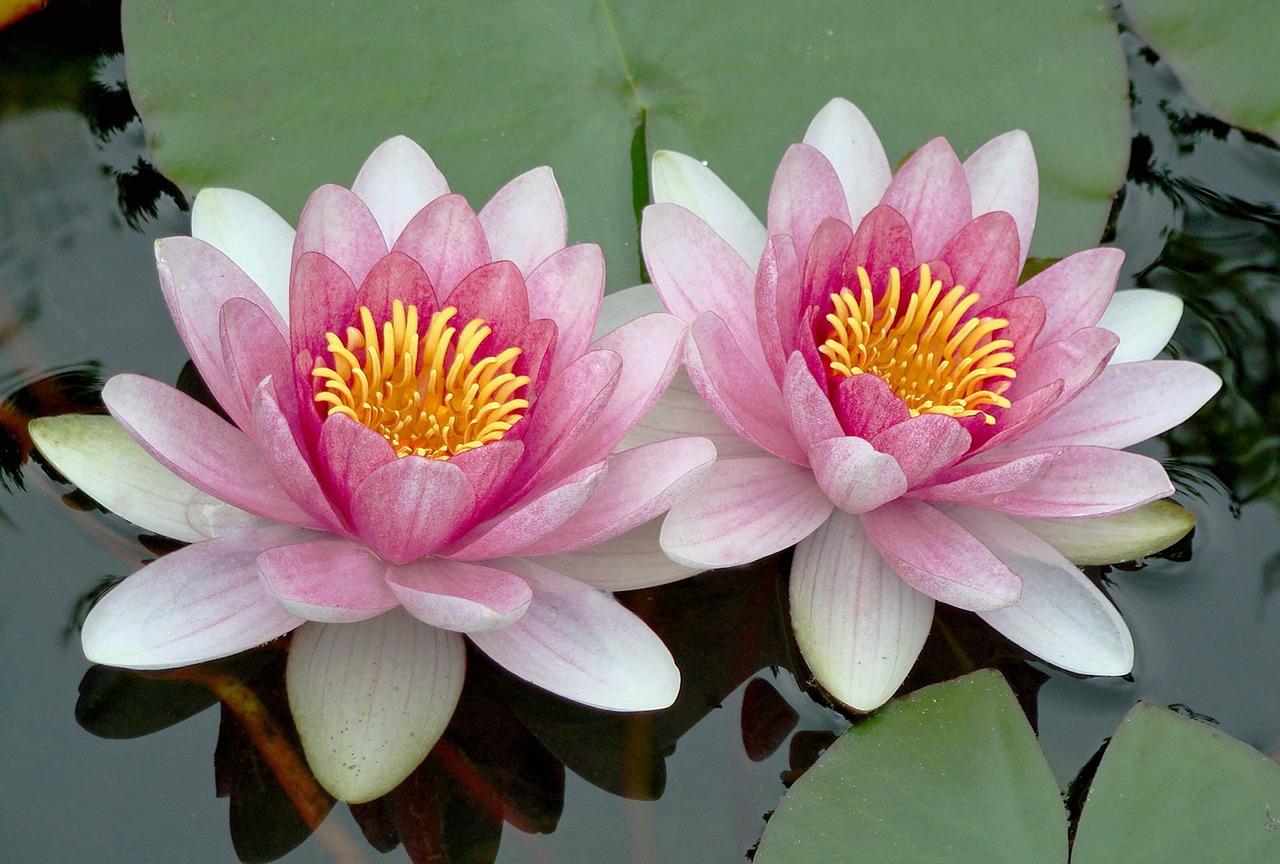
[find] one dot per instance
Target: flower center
(434, 395)
(934, 358)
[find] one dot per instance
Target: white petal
(1061, 616)
(1144, 320)
(580, 643)
(1118, 537)
(846, 137)
(859, 627)
(251, 234)
(624, 563)
(626, 305)
(681, 411)
(371, 699)
(97, 455)
(395, 182)
(680, 179)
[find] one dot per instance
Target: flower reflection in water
(869, 366)
(421, 445)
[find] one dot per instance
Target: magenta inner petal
(882, 242)
(338, 225)
(446, 238)
(496, 293)
(866, 405)
(396, 277)
(349, 452)
(984, 257)
(410, 507)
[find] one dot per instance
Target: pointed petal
(984, 481)
(410, 507)
(580, 643)
(568, 288)
(523, 526)
(983, 257)
(447, 239)
(1061, 617)
(746, 398)
(350, 452)
(338, 225)
(396, 276)
(371, 699)
(495, 293)
(867, 406)
(458, 596)
(1002, 176)
(859, 627)
(624, 563)
(1144, 320)
(682, 411)
(643, 483)
(806, 190)
(843, 134)
(1075, 291)
(937, 556)
(253, 349)
(1127, 403)
(679, 179)
(395, 182)
(524, 222)
(854, 475)
(931, 192)
(331, 580)
(279, 446)
(97, 455)
(196, 604)
(251, 234)
(200, 447)
(809, 411)
(322, 300)
(622, 306)
(744, 510)
(1118, 537)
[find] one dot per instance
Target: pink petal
(744, 510)
(931, 192)
(200, 447)
(681, 411)
(983, 257)
(1026, 319)
(1126, 404)
(489, 470)
(322, 300)
(843, 134)
(331, 580)
(1002, 176)
(809, 411)
(395, 182)
(253, 348)
(292, 469)
(446, 238)
(410, 507)
(1061, 616)
(371, 699)
(806, 190)
(339, 226)
(495, 293)
(568, 288)
(881, 243)
(580, 643)
(396, 277)
(1083, 481)
(1075, 361)
(779, 275)
(859, 627)
(454, 595)
(349, 452)
(696, 271)
(624, 563)
(867, 406)
(854, 475)
(984, 481)
(924, 445)
(1075, 291)
(192, 605)
(524, 222)
(679, 179)
(938, 557)
(746, 398)
(537, 344)
(197, 281)
(643, 482)
(521, 527)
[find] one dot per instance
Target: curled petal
(410, 507)
(371, 699)
(859, 627)
(331, 580)
(855, 475)
(455, 595)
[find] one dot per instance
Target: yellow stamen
(432, 395)
(932, 354)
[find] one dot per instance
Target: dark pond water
(1200, 217)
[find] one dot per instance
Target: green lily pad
(1223, 53)
(277, 98)
(950, 773)
(1172, 790)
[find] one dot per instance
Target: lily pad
(1223, 53)
(277, 98)
(950, 773)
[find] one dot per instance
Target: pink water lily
(422, 436)
(885, 394)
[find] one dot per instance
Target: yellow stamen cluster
(428, 395)
(929, 353)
